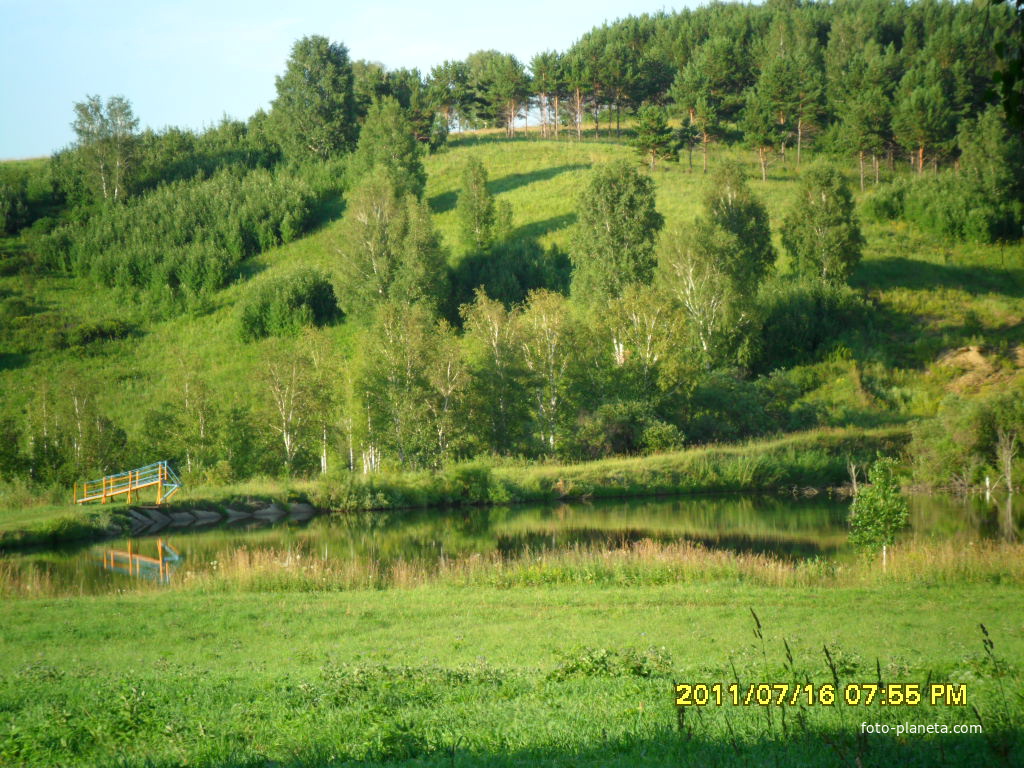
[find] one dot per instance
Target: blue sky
(189, 63)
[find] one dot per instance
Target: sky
(192, 62)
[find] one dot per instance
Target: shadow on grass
(327, 210)
(537, 229)
(11, 360)
(516, 180)
(682, 745)
(901, 272)
(446, 201)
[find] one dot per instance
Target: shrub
(284, 306)
(879, 511)
(802, 319)
(101, 330)
(184, 239)
(949, 205)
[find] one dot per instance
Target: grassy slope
(933, 296)
(462, 677)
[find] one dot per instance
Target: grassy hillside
(932, 297)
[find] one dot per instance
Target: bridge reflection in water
(130, 563)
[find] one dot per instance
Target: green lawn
(481, 676)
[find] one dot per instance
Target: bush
(13, 204)
(184, 240)
(803, 319)
(949, 205)
(886, 202)
(284, 306)
(101, 330)
(588, 662)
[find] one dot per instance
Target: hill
(930, 298)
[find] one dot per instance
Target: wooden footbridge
(158, 475)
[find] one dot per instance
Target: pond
(785, 527)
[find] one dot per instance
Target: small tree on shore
(879, 510)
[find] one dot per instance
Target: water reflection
(784, 527)
(131, 563)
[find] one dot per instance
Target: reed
(644, 563)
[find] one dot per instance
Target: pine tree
(654, 139)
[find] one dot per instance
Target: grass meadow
(558, 674)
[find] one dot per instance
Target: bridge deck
(158, 475)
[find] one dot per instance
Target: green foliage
(106, 145)
(613, 244)
(801, 319)
(101, 330)
(13, 203)
(954, 206)
(482, 222)
(601, 662)
(958, 447)
(314, 112)
(509, 271)
(654, 138)
(186, 239)
(387, 144)
(500, 85)
(284, 306)
(922, 118)
(714, 268)
(174, 154)
(731, 207)
(879, 511)
(820, 230)
(408, 387)
(388, 249)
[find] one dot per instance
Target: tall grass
(644, 563)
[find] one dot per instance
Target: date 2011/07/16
(852, 694)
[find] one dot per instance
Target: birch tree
(288, 384)
(498, 392)
(549, 352)
(106, 144)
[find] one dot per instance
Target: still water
(792, 528)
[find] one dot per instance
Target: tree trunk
(704, 145)
(920, 159)
(579, 115)
(556, 121)
(860, 158)
(762, 155)
(874, 162)
(323, 449)
(799, 139)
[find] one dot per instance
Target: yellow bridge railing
(158, 475)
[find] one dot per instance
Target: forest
(428, 328)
